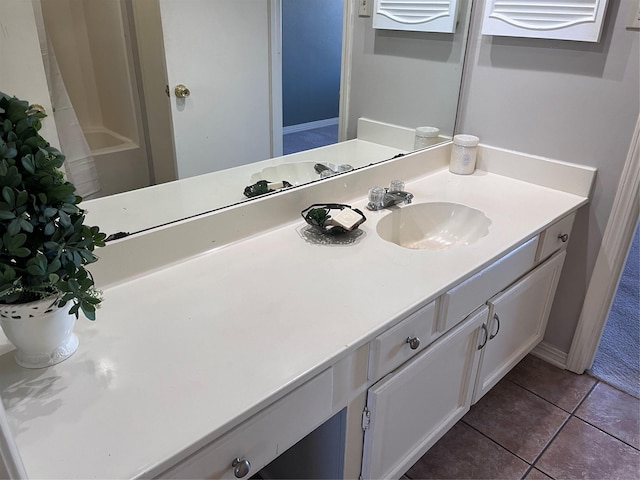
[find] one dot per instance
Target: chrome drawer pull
(241, 467)
(563, 237)
(497, 319)
(414, 342)
(486, 337)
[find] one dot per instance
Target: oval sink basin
(294, 173)
(434, 226)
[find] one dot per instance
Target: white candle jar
(463, 154)
(425, 137)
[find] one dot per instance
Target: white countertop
(182, 354)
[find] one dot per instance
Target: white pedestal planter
(41, 332)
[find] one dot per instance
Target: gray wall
(571, 101)
(410, 79)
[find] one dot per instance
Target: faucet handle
(376, 197)
(396, 186)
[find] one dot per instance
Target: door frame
(275, 65)
(348, 21)
(609, 263)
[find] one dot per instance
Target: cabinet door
(554, 19)
(517, 320)
(413, 407)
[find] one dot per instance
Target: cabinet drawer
(400, 343)
(460, 301)
(264, 436)
(554, 237)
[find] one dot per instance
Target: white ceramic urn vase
(41, 332)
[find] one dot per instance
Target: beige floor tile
(613, 411)
(463, 453)
(583, 451)
(560, 387)
(520, 421)
(536, 474)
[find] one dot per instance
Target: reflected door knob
(181, 91)
(37, 108)
(241, 467)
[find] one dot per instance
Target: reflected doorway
(311, 64)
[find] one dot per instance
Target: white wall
(20, 48)
(410, 79)
(570, 101)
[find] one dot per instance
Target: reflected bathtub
(121, 163)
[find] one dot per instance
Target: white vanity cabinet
(244, 450)
(410, 409)
(516, 322)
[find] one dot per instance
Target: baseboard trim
(301, 127)
(550, 354)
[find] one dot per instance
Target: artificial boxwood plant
(44, 243)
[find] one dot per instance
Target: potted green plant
(44, 243)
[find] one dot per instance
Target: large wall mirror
(256, 74)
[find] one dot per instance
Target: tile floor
(541, 422)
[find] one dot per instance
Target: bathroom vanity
(226, 339)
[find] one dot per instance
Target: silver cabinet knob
(563, 237)
(181, 91)
(414, 342)
(241, 467)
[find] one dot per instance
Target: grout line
(494, 441)
(546, 447)
(586, 396)
(564, 423)
(570, 412)
(527, 472)
(553, 437)
(595, 426)
(605, 432)
(571, 415)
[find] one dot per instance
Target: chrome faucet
(326, 171)
(380, 198)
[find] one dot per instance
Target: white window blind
(415, 15)
(555, 19)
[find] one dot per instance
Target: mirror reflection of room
(263, 79)
(97, 48)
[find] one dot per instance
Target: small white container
(425, 137)
(463, 154)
